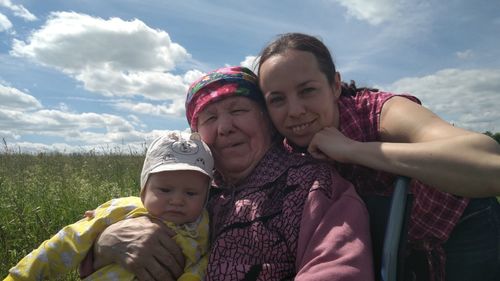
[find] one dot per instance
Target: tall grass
(39, 194)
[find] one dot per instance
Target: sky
(110, 75)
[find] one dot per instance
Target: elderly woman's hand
(142, 246)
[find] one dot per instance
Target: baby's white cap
(173, 152)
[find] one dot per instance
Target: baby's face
(176, 196)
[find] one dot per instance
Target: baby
(175, 179)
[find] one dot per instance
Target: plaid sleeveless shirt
(434, 214)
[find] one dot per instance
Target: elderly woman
(274, 215)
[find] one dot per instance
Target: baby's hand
(89, 214)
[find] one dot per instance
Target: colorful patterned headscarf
(218, 84)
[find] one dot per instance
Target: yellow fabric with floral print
(65, 250)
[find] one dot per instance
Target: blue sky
(109, 75)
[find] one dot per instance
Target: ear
(337, 85)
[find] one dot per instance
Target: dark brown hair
(313, 45)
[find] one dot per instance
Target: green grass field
(42, 193)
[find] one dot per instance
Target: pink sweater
(293, 218)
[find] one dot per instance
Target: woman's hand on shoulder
(143, 246)
(330, 143)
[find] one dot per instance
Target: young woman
(375, 136)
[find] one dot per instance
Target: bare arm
(142, 246)
(418, 144)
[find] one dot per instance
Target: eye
(191, 193)
(206, 119)
(238, 111)
(275, 100)
(164, 189)
(308, 90)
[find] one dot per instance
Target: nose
(295, 107)
(225, 124)
(177, 199)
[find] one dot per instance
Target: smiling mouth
(298, 129)
(232, 145)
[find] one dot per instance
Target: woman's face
(238, 134)
(299, 98)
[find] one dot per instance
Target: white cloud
(136, 121)
(28, 147)
(63, 107)
(104, 128)
(192, 75)
(250, 62)
(466, 98)
(35, 148)
(394, 24)
(8, 135)
(18, 10)
(467, 54)
(147, 84)
(175, 108)
(113, 57)
(372, 11)
(15, 99)
(81, 132)
(136, 146)
(5, 23)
